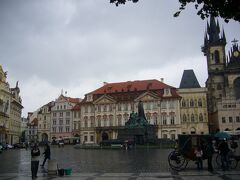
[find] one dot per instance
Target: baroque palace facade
(10, 111)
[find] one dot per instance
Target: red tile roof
(76, 107)
(131, 86)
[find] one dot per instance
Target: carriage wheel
(176, 161)
(232, 162)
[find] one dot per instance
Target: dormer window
(167, 92)
(89, 97)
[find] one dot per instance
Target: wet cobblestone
(106, 164)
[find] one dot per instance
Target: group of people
(223, 149)
(35, 157)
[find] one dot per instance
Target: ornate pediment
(147, 96)
(104, 100)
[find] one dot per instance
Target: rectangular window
(60, 122)
(163, 105)
(86, 109)
(99, 108)
(110, 108)
(60, 129)
(75, 125)
(85, 138)
(92, 138)
(164, 120)
(67, 129)
(237, 119)
(67, 121)
(119, 107)
(54, 114)
(61, 114)
(223, 120)
(104, 108)
(172, 120)
(171, 104)
(125, 107)
(230, 120)
(92, 109)
(54, 122)
(173, 136)
(67, 113)
(75, 114)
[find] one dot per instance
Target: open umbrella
(222, 135)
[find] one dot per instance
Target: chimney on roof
(105, 83)
(162, 79)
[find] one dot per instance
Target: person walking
(224, 150)
(199, 153)
(35, 153)
(209, 153)
(47, 154)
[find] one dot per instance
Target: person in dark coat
(35, 153)
(224, 150)
(209, 153)
(47, 154)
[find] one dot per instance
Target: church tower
(214, 50)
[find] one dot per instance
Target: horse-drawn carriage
(184, 152)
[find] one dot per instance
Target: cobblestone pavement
(185, 175)
(107, 164)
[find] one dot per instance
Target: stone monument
(138, 129)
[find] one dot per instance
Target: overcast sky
(76, 45)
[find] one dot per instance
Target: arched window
(184, 118)
(199, 103)
(200, 117)
(192, 118)
(216, 55)
(183, 103)
(191, 103)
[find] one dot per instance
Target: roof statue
(137, 119)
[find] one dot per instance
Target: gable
(104, 100)
(147, 96)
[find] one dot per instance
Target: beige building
(44, 120)
(229, 116)
(107, 109)
(10, 111)
(223, 81)
(194, 114)
(61, 124)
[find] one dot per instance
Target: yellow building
(10, 111)
(194, 115)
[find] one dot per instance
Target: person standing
(209, 153)
(224, 149)
(199, 153)
(47, 154)
(35, 153)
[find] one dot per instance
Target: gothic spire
(213, 30)
(224, 37)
